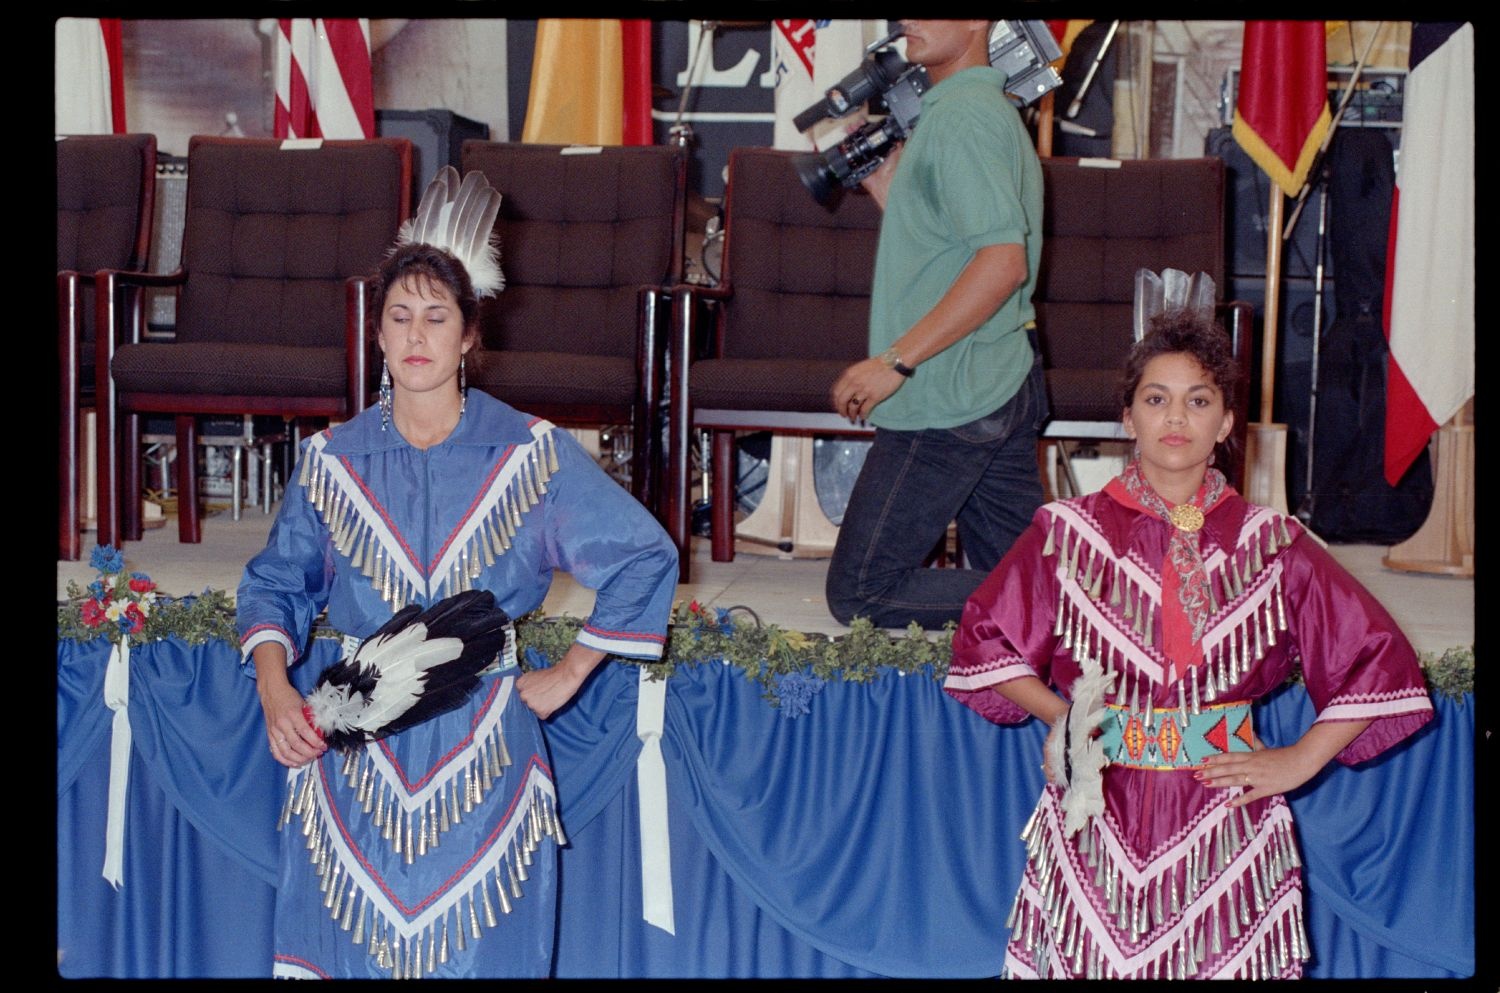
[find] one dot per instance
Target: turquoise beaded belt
(1175, 739)
(503, 663)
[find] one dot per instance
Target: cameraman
(954, 387)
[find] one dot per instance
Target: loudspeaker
(437, 138)
(1292, 401)
(1247, 191)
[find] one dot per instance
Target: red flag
(1281, 114)
(636, 56)
(323, 80)
(1429, 286)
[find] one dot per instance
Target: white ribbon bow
(651, 781)
(117, 698)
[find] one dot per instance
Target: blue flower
(107, 558)
(96, 589)
(125, 624)
(795, 690)
(723, 617)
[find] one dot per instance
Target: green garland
(765, 653)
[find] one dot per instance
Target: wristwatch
(892, 360)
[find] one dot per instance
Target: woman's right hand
(293, 741)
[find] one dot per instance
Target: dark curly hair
(1181, 332)
(1184, 332)
(424, 262)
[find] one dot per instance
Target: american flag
(89, 93)
(323, 81)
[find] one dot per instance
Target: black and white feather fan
(421, 663)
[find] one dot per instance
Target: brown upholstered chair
(1099, 226)
(589, 241)
(791, 312)
(105, 191)
(270, 306)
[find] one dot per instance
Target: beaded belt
(1175, 739)
(505, 662)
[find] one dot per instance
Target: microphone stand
(1088, 78)
(1309, 498)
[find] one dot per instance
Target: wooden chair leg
(189, 528)
(69, 541)
(106, 483)
(132, 524)
(723, 496)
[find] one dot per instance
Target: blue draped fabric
(1388, 848)
(874, 835)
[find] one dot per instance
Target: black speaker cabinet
(437, 138)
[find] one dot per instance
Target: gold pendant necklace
(1186, 517)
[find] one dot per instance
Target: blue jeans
(982, 474)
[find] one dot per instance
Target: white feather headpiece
(1172, 290)
(459, 218)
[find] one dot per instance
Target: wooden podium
(1444, 544)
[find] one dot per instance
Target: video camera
(1023, 50)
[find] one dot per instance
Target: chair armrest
(357, 291)
(125, 277)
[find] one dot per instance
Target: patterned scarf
(1185, 597)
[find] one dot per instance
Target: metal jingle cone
(489, 908)
(359, 921)
(518, 862)
(515, 884)
(407, 854)
(332, 871)
(431, 949)
(453, 814)
(421, 833)
(343, 907)
(442, 805)
(335, 889)
(474, 931)
(443, 945)
(430, 818)
(458, 925)
(505, 906)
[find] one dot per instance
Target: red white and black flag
(1429, 306)
(323, 81)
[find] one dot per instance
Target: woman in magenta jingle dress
(1157, 610)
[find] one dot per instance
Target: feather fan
(419, 664)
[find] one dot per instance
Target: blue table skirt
(874, 835)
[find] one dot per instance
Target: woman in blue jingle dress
(432, 852)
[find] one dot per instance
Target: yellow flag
(577, 84)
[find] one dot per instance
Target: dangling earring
(1213, 456)
(385, 394)
(463, 387)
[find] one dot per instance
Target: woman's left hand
(1262, 773)
(1268, 771)
(546, 691)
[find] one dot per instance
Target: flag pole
(1265, 441)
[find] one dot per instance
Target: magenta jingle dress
(1170, 882)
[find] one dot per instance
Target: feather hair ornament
(1172, 290)
(419, 664)
(459, 218)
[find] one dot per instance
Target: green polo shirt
(968, 177)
